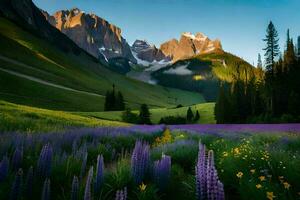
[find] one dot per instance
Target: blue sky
(239, 24)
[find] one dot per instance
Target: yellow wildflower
(258, 186)
(262, 178)
(225, 154)
(236, 151)
(252, 171)
(270, 195)
(286, 185)
(239, 174)
(142, 187)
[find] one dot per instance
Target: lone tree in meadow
(144, 116)
(189, 115)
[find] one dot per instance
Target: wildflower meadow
(152, 162)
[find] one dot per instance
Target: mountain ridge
(92, 33)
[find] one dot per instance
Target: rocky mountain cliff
(91, 33)
(189, 45)
(144, 51)
(26, 15)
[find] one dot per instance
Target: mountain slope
(38, 58)
(201, 73)
(40, 51)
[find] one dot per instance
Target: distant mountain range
(90, 43)
(104, 40)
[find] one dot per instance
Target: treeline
(269, 95)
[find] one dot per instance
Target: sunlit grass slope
(15, 117)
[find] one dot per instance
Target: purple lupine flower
(221, 194)
(99, 173)
(200, 170)
(87, 191)
(212, 177)
(162, 171)
(29, 183)
(121, 194)
(140, 161)
(208, 185)
(83, 165)
(46, 190)
(75, 189)
(44, 162)
(17, 159)
(16, 190)
(4, 168)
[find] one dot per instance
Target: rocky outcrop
(189, 45)
(27, 16)
(91, 33)
(144, 51)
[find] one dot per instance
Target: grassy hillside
(26, 54)
(205, 72)
(206, 111)
(15, 117)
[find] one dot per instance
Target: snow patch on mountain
(181, 70)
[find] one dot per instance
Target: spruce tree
(144, 116)
(271, 53)
(259, 62)
(189, 115)
(289, 53)
(272, 47)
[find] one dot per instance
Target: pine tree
(271, 53)
(272, 47)
(259, 62)
(189, 115)
(289, 53)
(144, 116)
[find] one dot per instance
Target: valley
(114, 100)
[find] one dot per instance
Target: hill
(31, 66)
(206, 111)
(201, 73)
